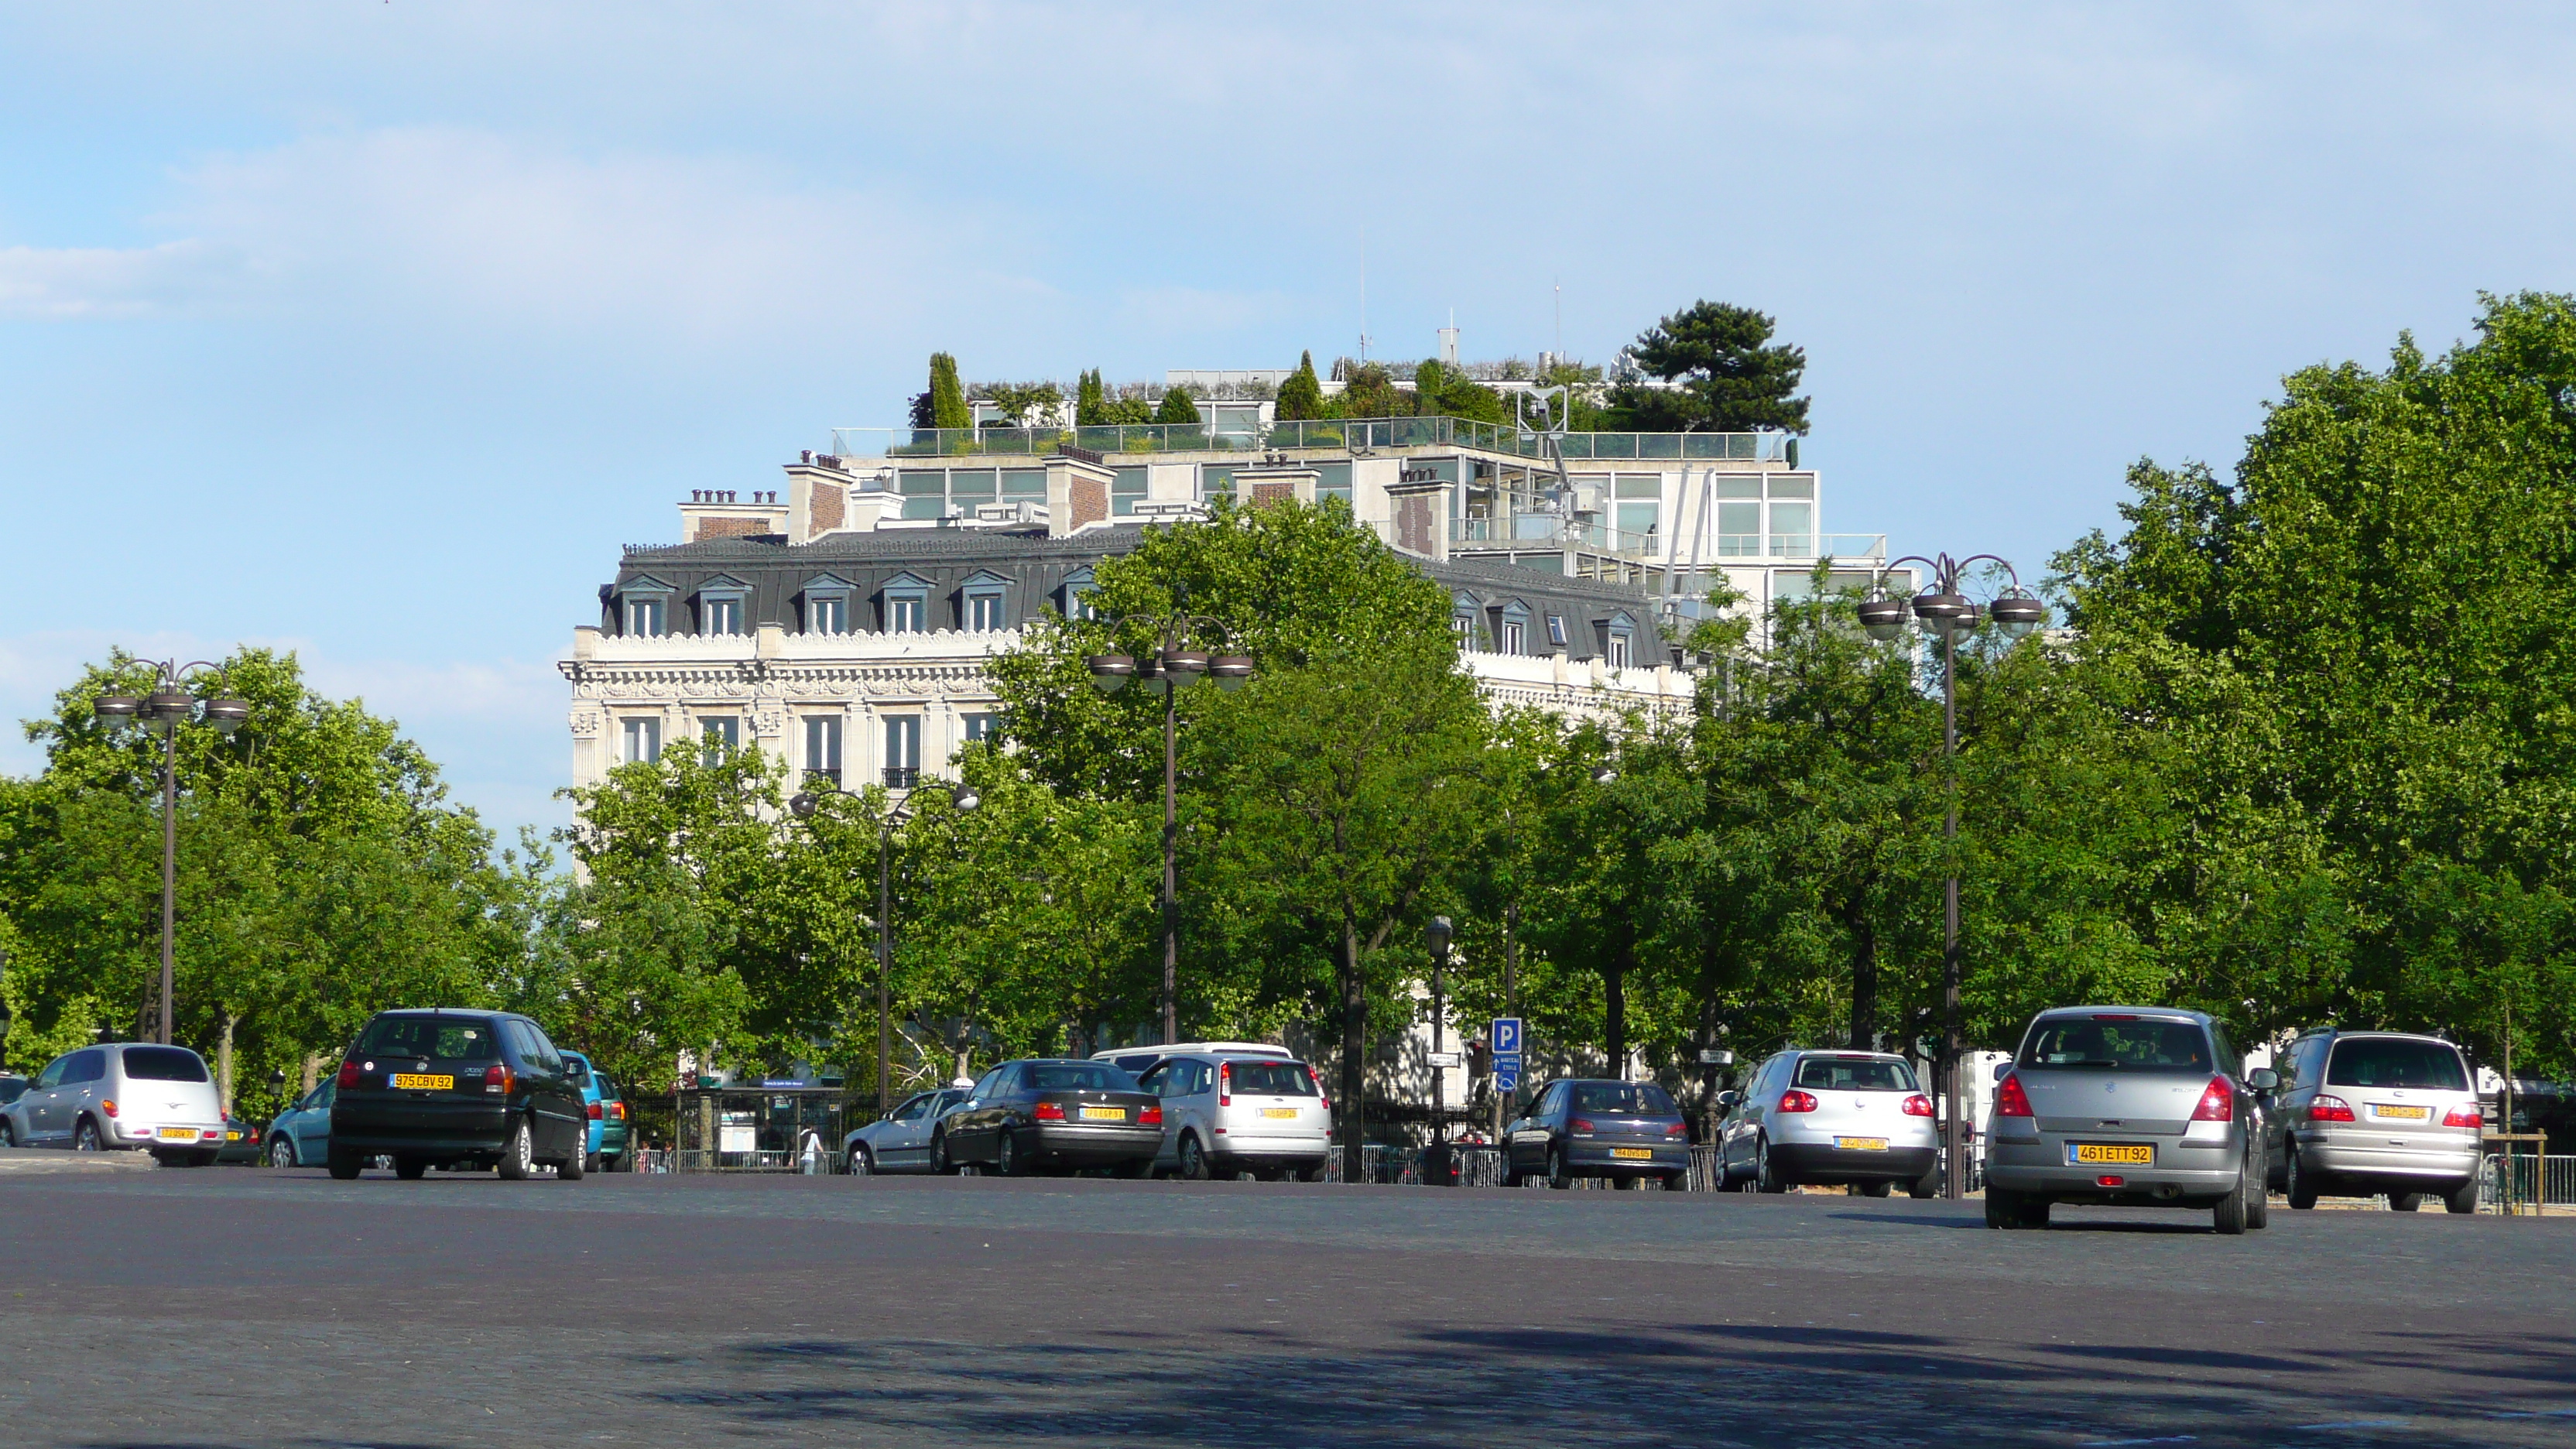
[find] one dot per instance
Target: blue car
(606, 1109)
(301, 1135)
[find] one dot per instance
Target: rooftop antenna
(1560, 320)
(1364, 337)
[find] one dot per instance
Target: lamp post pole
(170, 705)
(1947, 613)
(804, 805)
(1171, 668)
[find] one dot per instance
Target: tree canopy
(1730, 377)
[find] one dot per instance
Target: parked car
(11, 1087)
(606, 1110)
(899, 1141)
(1050, 1113)
(2363, 1112)
(1226, 1112)
(2134, 1106)
(1834, 1118)
(241, 1142)
(1137, 1061)
(1578, 1127)
(125, 1097)
(300, 1136)
(448, 1088)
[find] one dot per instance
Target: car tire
(1557, 1177)
(1875, 1189)
(1006, 1156)
(1766, 1178)
(409, 1168)
(2299, 1183)
(281, 1152)
(2462, 1199)
(85, 1137)
(940, 1165)
(592, 1162)
(345, 1166)
(2229, 1216)
(1927, 1186)
(2258, 1199)
(516, 1162)
(1193, 1163)
(861, 1162)
(572, 1167)
(2405, 1202)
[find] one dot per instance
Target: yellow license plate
(232, 1137)
(2402, 1114)
(422, 1082)
(178, 1134)
(1861, 1144)
(1288, 1112)
(1645, 1153)
(2112, 1154)
(1104, 1114)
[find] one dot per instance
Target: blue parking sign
(1507, 1074)
(1506, 1036)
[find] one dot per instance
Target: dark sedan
(1051, 1114)
(1620, 1131)
(453, 1089)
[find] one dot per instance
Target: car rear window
(1078, 1077)
(164, 1064)
(1854, 1074)
(1623, 1099)
(2381, 1063)
(1271, 1079)
(2124, 1044)
(442, 1038)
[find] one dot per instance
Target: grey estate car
(2133, 1106)
(2365, 1112)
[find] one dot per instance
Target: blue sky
(374, 329)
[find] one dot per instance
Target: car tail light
(2217, 1102)
(1579, 1125)
(1794, 1100)
(1677, 1129)
(497, 1079)
(348, 1074)
(2010, 1099)
(1225, 1084)
(1319, 1087)
(2329, 1109)
(1151, 1116)
(1048, 1112)
(2110, 1182)
(108, 1105)
(2464, 1117)
(595, 1114)
(617, 1110)
(1918, 1105)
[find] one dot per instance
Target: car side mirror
(2263, 1079)
(1730, 1100)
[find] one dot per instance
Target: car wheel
(281, 1151)
(1766, 1178)
(410, 1168)
(1193, 1164)
(2229, 1216)
(1557, 1176)
(572, 1167)
(86, 1139)
(1928, 1185)
(345, 1166)
(590, 1162)
(2405, 1202)
(862, 1163)
(1006, 1156)
(2300, 1184)
(516, 1159)
(2258, 1198)
(1875, 1189)
(2462, 1199)
(940, 1166)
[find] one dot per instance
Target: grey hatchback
(2130, 1106)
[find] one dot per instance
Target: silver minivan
(2362, 1112)
(1225, 1114)
(1831, 1117)
(121, 1097)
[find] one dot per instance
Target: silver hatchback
(1831, 1117)
(2376, 1111)
(2129, 1106)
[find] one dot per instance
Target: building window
(979, 728)
(1513, 630)
(904, 613)
(827, 614)
(720, 614)
(722, 735)
(984, 611)
(902, 751)
(823, 747)
(1618, 650)
(643, 740)
(644, 618)
(1556, 631)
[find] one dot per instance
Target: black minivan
(457, 1088)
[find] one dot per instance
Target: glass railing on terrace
(1328, 434)
(1549, 530)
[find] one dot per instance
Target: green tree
(1731, 379)
(1367, 392)
(1177, 407)
(1301, 397)
(947, 395)
(1090, 401)
(1026, 404)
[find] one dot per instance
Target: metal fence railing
(2533, 1181)
(669, 1160)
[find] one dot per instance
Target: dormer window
(1618, 641)
(1556, 631)
(644, 617)
(643, 608)
(1515, 629)
(905, 604)
(722, 606)
(980, 603)
(827, 605)
(1073, 597)
(1462, 620)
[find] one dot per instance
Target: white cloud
(71, 283)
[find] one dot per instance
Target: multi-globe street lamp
(1950, 616)
(1172, 667)
(806, 804)
(168, 706)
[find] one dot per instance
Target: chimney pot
(808, 456)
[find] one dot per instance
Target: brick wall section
(1090, 502)
(1413, 523)
(823, 508)
(731, 527)
(1273, 492)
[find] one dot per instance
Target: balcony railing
(1327, 434)
(902, 777)
(823, 777)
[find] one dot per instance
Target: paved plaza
(250, 1307)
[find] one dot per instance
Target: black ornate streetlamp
(1950, 615)
(805, 804)
(1171, 668)
(169, 706)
